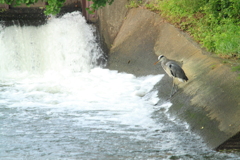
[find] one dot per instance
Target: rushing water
(58, 102)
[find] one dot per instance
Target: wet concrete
(209, 101)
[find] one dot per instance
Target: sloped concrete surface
(209, 101)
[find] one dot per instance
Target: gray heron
(172, 69)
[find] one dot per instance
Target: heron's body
(172, 69)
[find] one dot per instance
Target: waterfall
(65, 44)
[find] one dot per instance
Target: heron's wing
(172, 70)
(175, 70)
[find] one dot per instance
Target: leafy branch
(54, 6)
(98, 4)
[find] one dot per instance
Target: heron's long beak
(156, 62)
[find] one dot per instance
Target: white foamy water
(97, 90)
(58, 102)
(62, 45)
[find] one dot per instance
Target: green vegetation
(54, 6)
(98, 4)
(213, 23)
(134, 4)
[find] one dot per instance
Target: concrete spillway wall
(209, 101)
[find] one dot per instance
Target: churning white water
(58, 102)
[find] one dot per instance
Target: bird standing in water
(172, 69)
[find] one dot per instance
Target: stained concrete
(34, 15)
(209, 101)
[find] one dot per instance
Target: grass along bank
(215, 24)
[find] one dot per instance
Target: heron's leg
(173, 84)
(174, 88)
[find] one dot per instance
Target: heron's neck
(164, 60)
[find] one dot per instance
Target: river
(58, 101)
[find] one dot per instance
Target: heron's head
(160, 58)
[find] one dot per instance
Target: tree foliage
(54, 6)
(98, 4)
